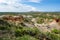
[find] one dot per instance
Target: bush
(52, 36)
(18, 32)
(55, 31)
(4, 25)
(30, 31)
(26, 37)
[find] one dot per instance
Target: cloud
(3, 4)
(35, 1)
(14, 6)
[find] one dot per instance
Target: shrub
(30, 31)
(4, 25)
(55, 31)
(52, 36)
(26, 37)
(18, 32)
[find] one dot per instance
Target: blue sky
(29, 5)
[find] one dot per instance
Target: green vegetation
(56, 31)
(9, 31)
(26, 37)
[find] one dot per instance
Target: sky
(29, 5)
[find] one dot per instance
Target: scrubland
(30, 26)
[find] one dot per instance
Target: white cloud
(14, 6)
(36, 1)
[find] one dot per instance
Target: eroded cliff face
(12, 19)
(55, 24)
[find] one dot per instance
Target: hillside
(30, 26)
